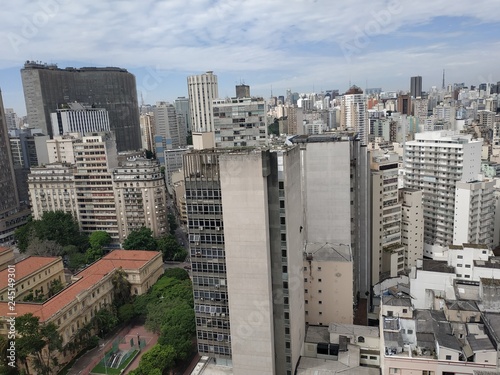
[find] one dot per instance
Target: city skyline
(302, 46)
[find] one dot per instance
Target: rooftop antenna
(142, 99)
(443, 80)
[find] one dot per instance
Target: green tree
(159, 357)
(121, 287)
(60, 227)
(55, 287)
(178, 339)
(172, 223)
(105, 320)
(39, 342)
(99, 239)
(168, 246)
(176, 273)
(76, 261)
(4, 361)
(56, 227)
(126, 312)
(141, 239)
(274, 128)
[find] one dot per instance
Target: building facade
(434, 162)
(77, 118)
(202, 90)
(47, 87)
(240, 122)
(353, 113)
(140, 197)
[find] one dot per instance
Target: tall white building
(79, 119)
(387, 249)
(412, 225)
(240, 122)
(434, 162)
(354, 115)
(170, 132)
(202, 90)
(147, 122)
(474, 213)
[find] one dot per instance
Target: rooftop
(437, 266)
(354, 330)
(127, 259)
(27, 267)
(324, 251)
(396, 300)
(462, 305)
(317, 334)
(315, 366)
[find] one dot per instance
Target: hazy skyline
(302, 45)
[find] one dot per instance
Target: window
(306, 291)
(319, 280)
(389, 313)
(373, 358)
(405, 311)
(320, 302)
(319, 290)
(319, 268)
(459, 265)
(460, 257)
(361, 339)
(409, 331)
(448, 357)
(467, 266)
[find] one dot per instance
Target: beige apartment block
(140, 197)
(412, 225)
(52, 188)
(328, 284)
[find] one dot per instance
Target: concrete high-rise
(240, 122)
(170, 131)
(246, 239)
(434, 162)
(11, 213)
(47, 87)
(202, 89)
(416, 87)
(353, 113)
(336, 195)
(387, 248)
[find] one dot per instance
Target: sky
(302, 45)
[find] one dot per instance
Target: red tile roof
(4, 249)
(25, 268)
(127, 259)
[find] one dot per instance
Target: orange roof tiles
(4, 249)
(26, 267)
(127, 259)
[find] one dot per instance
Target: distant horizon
(279, 45)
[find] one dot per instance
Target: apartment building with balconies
(434, 162)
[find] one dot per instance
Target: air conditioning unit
(201, 298)
(212, 299)
(216, 285)
(217, 228)
(201, 228)
(222, 314)
(197, 243)
(212, 314)
(218, 314)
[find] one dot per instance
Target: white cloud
(297, 41)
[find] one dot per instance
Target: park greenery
(168, 311)
(57, 233)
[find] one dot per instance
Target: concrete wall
(329, 292)
(248, 262)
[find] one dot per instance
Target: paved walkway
(151, 339)
(89, 360)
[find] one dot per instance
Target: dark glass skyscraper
(416, 87)
(47, 88)
(11, 214)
